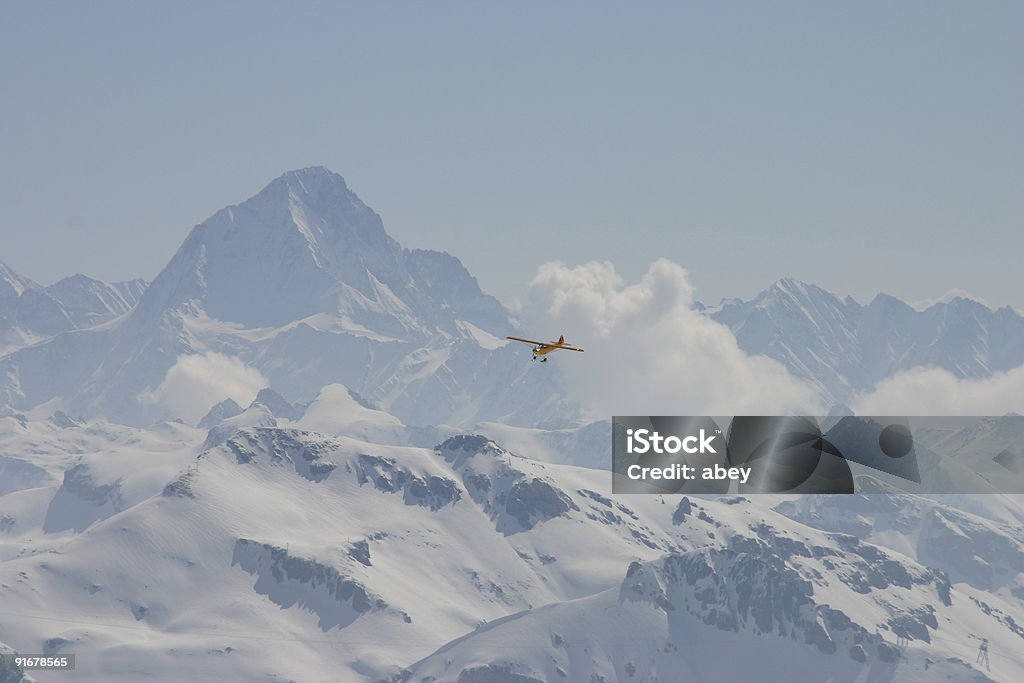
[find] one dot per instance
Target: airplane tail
(561, 339)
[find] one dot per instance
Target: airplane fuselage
(543, 349)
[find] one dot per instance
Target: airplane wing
(569, 348)
(527, 341)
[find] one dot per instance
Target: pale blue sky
(863, 146)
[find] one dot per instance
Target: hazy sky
(864, 147)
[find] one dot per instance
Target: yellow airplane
(541, 349)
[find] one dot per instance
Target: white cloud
(648, 352)
(198, 381)
(933, 391)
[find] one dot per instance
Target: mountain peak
(12, 282)
(312, 179)
(307, 245)
(281, 255)
(788, 283)
(883, 300)
(315, 188)
(311, 172)
(791, 288)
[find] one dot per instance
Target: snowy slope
(981, 547)
(767, 600)
(585, 446)
(679, 620)
(338, 547)
(285, 554)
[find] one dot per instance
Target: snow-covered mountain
(307, 246)
(285, 554)
(88, 302)
(30, 313)
(333, 520)
(780, 604)
(302, 283)
(844, 347)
